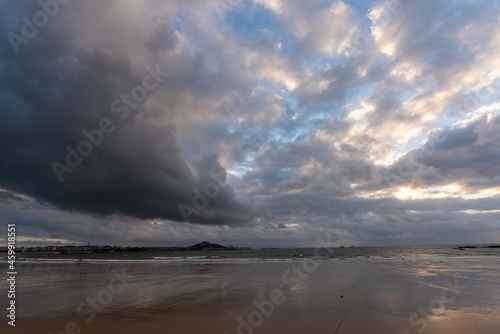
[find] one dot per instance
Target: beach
(249, 167)
(299, 295)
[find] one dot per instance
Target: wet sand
(349, 296)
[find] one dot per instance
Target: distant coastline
(75, 249)
(207, 246)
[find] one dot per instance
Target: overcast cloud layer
(256, 123)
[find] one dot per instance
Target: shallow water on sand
(304, 294)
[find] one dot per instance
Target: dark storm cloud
(138, 170)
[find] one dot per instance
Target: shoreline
(242, 260)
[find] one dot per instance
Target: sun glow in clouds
(439, 192)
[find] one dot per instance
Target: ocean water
(275, 255)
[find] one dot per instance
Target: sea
(276, 254)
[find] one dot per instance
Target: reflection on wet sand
(355, 296)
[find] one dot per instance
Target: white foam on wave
(427, 257)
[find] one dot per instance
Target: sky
(259, 123)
